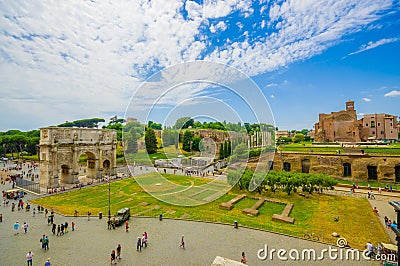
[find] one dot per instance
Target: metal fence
(28, 185)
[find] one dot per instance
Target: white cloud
(300, 32)
(366, 99)
(84, 58)
(372, 45)
(220, 26)
(271, 85)
(392, 93)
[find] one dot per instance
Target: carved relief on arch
(64, 158)
(45, 133)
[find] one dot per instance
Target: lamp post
(396, 206)
(109, 201)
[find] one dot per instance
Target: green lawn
(311, 214)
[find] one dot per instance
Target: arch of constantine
(61, 147)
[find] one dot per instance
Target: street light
(109, 201)
(396, 206)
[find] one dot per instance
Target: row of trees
(280, 181)
(188, 122)
(89, 123)
(225, 149)
(191, 143)
(18, 142)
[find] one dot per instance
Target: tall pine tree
(187, 141)
(132, 142)
(221, 151)
(150, 141)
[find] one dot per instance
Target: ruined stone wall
(333, 165)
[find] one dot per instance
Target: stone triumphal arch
(61, 147)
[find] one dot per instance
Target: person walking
(46, 243)
(73, 226)
(182, 245)
(42, 241)
(144, 242)
(16, 228)
(53, 229)
(29, 258)
(58, 229)
(118, 252)
(126, 226)
(62, 229)
(113, 260)
(47, 262)
(66, 227)
(243, 260)
(25, 228)
(139, 244)
(88, 215)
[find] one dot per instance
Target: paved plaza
(91, 243)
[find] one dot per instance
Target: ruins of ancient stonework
(61, 147)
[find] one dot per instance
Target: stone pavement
(91, 243)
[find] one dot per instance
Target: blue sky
(71, 60)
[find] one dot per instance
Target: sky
(67, 60)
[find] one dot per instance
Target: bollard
(235, 224)
(161, 217)
(100, 215)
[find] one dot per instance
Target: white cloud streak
(372, 45)
(393, 93)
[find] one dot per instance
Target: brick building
(343, 126)
(380, 127)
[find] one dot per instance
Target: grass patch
(357, 222)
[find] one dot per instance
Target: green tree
(221, 151)
(131, 141)
(187, 141)
(183, 122)
(31, 146)
(169, 137)
(298, 137)
(196, 143)
(154, 125)
(150, 141)
(89, 123)
(118, 127)
(140, 129)
(226, 152)
(241, 151)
